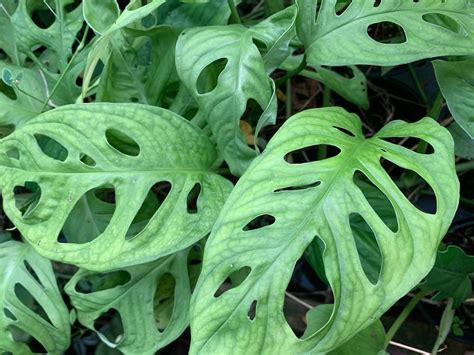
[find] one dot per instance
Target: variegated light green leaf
(30, 302)
(456, 81)
(301, 201)
(150, 166)
(432, 28)
(159, 291)
(244, 76)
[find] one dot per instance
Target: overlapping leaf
(30, 302)
(126, 155)
(432, 28)
(243, 77)
(301, 201)
(159, 291)
(456, 81)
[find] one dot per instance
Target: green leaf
(121, 153)
(159, 290)
(369, 340)
(450, 275)
(311, 199)
(100, 14)
(463, 144)
(31, 303)
(456, 81)
(343, 39)
(243, 78)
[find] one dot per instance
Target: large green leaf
(30, 302)
(126, 150)
(243, 77)
(450, 275)
(456, 81)
(432, 28)
(150, 324)
(317, 199)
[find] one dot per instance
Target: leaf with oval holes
(456, 81)
(160, 291)
(280, 184)
(129, 175)
(428, 28)
(31, 305)
(242, 74)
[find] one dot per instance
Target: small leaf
(31, 303)
(456, 81)
(450, 275)
(159, 291)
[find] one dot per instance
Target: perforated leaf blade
(431, 28)
(456, 81)
(30, 301)
(149, 288)
(243, 77)
(311, 199)
(123, 154)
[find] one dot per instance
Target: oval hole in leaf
(87, 160)
(252, 310)
(122, 142)
(20, 336)
(411, 143)
(5, 89)
(6, 130)
(13, 154)
(110, 325)
(102, 281)
(27, 197)
(415, 188)
(192, 199)
(387, 33)
(377, 200)
(43, 18)
(300, 187)
(209, 76)
(30, 302)
(150, 206)
(344, 71)
(341, 6)
(258, 222)
(194, 264)
(368, 249)
(445, 22)
(233, 280)
(312, 153)
(51, 147)
(90, 216)
(163, 302)
(261, 46)
(32, 272)
(345, 131)
(9, 314)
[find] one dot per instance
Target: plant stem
(289, 99)
(444, 325)
(291, 73)
(469, 165)
(403, 316)
(234, 14)
(326, 96)
(68, 66)
(418, 84)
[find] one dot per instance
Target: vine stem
(403, 316)
(444, 326)
(68, 66)
(462, 167)
(234, 14)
